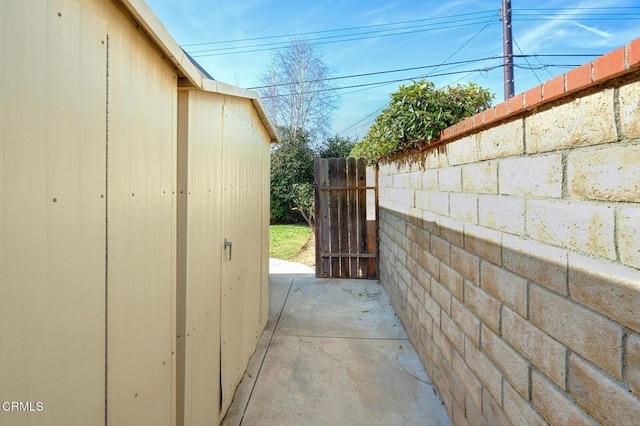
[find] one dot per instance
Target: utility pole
(507, 42)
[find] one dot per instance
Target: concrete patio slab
(279, 266)
(279, 287)
(339, 308)
(329, 381)
(333, 353)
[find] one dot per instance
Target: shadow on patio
(333, 353)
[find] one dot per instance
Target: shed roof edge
(145, 17)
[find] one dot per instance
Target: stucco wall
(511, 252)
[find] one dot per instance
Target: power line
(477, 76)
(286, 43)
(383, 83)
(545, 66)
(340, 29)
(486, 70)
(556, 55)
(546, 69)
(602, 16)
(522, 13)
(526, 59)
(366, 88)
(352, 127)
(469, 72)
(435, 66)
(368, 74)
(449, 57)
(396, 81)
(487, 12)
(564, 13)
(283, 45)
(380, 82)
(573, 18)
(478, 20)
(579, 8)
(361, 125)
(464, 45)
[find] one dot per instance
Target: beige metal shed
(123, 169)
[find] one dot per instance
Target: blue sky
(435, 32)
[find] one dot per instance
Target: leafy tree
(336, 147)
(292, 188)
(416, 115)
(295, 90)
(304, 202)
(291, 164)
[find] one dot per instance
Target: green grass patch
(287, 240)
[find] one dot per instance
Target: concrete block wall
(511, 252)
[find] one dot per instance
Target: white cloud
(595, 31)
(565, 29)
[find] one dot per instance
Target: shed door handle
(228, 244)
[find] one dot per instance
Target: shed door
(242, 228)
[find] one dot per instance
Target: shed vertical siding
(200, 247)
(52, 211)
(244, 277)
(91, 224)
(265, 215)
(141, 233)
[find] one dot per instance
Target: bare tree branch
(295, 91)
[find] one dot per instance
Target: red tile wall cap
(468, 123)
(489, 115)
(533, 97)
(579, 78)
(633, 53)
(553, 88)
(515, 104)
(609, 65)
(605, 67)
(502, 109)
(478, 119)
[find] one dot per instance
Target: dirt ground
(307, 255)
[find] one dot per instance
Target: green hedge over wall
(416, 114)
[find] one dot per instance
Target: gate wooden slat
(321, 179)
(352, 215)
(318, 210)
(343, 218)
(346, 242)
(326, 263)
(333, 221)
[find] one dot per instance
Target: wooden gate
(346, 219)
